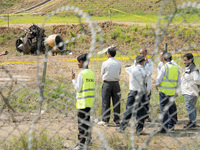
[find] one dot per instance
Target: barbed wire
(43, 113)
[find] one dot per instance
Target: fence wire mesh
(38, 111)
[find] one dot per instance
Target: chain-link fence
(38, 99)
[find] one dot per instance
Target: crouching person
(85, 87)
(137, 97)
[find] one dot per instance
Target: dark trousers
(138, 110)
(169, 115)
(84, 125)
(148, 97)
(111, 89)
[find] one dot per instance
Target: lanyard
(145, 63)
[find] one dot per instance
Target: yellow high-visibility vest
(169, 83)
(85, 97)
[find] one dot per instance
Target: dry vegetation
(59, 123)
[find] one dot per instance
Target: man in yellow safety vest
(85, 87)
(168, 82)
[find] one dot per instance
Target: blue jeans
(190, 104)
(140, 111)
(169, 114)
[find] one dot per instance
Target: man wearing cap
(149, 70)
(85, 87)
(189, 88)
(136, 98)
(110, 72)
(168, 82)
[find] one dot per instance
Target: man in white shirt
(137, 96)
(168, 81)
(189, 88)
(149, 70)
(110, 72)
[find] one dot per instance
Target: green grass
(139, 11)
(120, 17)
(38, 19)
(27, 19)
(129, 17)
(24, 99)
(6, 37)
(58, 96)
(117, 143)
(6, 5)
(42, 140)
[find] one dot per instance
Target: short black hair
(112, 51)
(167, 56)
(189, 56)
(140, 59)
(82, 57)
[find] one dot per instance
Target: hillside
(132, 37)
(97, 6)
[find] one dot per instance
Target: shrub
(116, 33)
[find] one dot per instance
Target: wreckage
(35, 38)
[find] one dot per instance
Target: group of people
(168, 82)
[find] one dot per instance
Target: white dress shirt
(161, 74)
(137, 78)
(149, 70)
(111, 70)
(173, 62)
(77, 84)
(189, 82)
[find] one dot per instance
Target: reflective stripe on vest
(169, 83)
(85, 97)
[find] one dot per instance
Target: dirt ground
(66, 126)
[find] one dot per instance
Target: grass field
(69, 17)
(54, 128)
(142, 11)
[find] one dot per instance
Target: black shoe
(190, 125)
(139, 132)
(117, 124)
(119, 130)
(162, 131)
